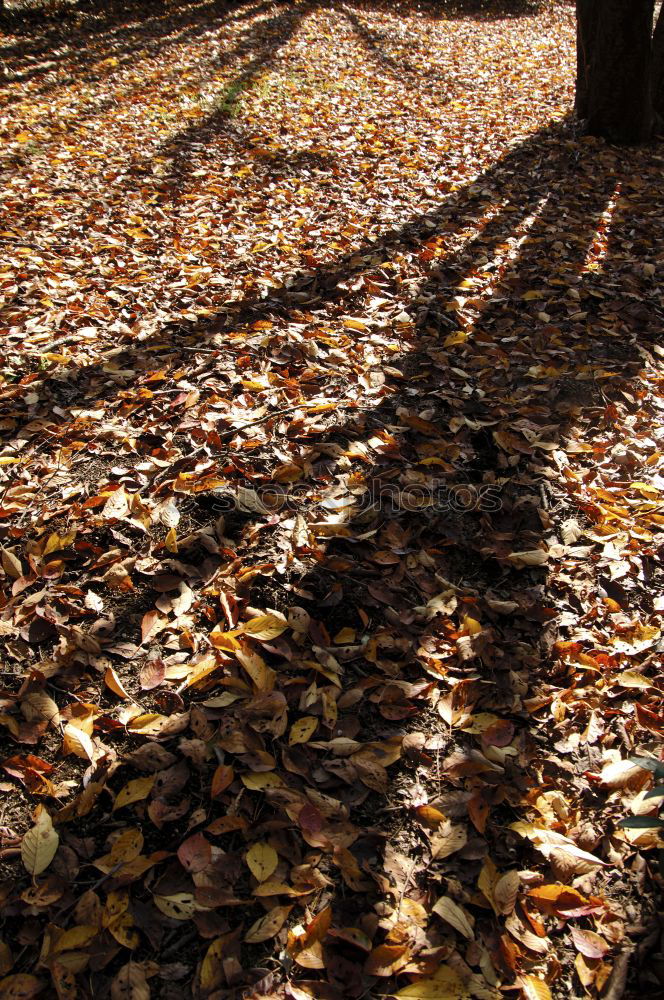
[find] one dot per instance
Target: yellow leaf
(264, 677)
(445, 984)
(61, 359)
(345, 636)
(117, 903)
(647, 488)
(225, 640)
(552, 899)
(112, 681)
(471, 625)
(124, 931)
(212, 975)
(179, 906)
(534, 988)
(262, 861)
(387, 959)
(479, 723)
(264, 627)
(150, 722)
(636, 639)
(633, 679)
(127, 847)
(57, 542)
(270, 888)
(201, 670)
(269, 925)
(39, 845)
(171, 540)
(75, 937)
(134, 791)
(302, 730)
(265, 779)
(77, 742)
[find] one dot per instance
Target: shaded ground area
(331, 508)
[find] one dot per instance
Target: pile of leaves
(331, 511)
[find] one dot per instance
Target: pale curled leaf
(531, 557)
(505, 891)
(39, 845)
(454, 915)
(112, 681)
(448, 839)
(76, 741)
(39, 705)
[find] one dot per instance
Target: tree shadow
(480, 392)
(378, 43)
(94, 45)
(416, 566)
(422, 482)
(447, 10)
(550, 159)
(509, 342)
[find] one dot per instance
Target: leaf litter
(331, 508)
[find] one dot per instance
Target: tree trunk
(658, 67)
(619, 83)
(587, 16)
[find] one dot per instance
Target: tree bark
(658, 67)
(619, 97)
(587, 16)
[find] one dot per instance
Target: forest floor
(332, 507)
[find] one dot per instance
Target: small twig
(227, 435)
(95, 885)
(459, 590)
(618, 980)
(405, 886)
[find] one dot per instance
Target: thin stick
(227, 435)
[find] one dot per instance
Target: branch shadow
(386, 538)
(448, 10)
(378, 44)
(406, 559)
(94, 45)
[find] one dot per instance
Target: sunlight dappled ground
(331, 507)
